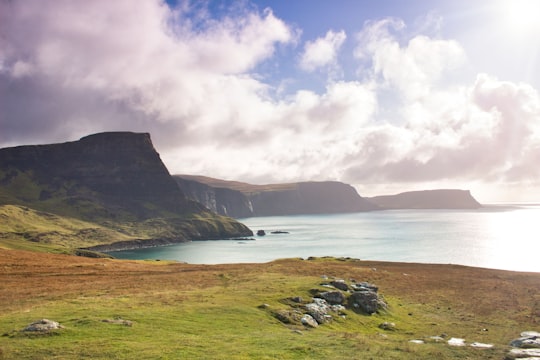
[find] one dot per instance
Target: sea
(499, 236)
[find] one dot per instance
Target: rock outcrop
(324, 306)
(239, 200)
(428, 199)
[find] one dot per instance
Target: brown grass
(477, 304)
(465, 291)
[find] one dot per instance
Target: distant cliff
(114, 179)
(428, 199)
(239, 199)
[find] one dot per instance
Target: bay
(496, 236)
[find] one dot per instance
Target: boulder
(456, 342)
(319, 310)
(309, 321)
(333, 297)
(43, 325)
(387, 326)
(288, 316)
(365, 286)
(523, 354)
(528, 340)
(340, 284)
(367, 301)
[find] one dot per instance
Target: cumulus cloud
(323, 51)
(72, 68)
(139, 67)
(412, 69)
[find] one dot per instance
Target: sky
(387, 95)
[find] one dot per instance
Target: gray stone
(479, 345)
(288, 316)
(456, 342)
(367, 301)
(528, 340)
(118, 322)
(333, 297)
(309, 321)
(530, 334)
(365, 286)
(340, 284)
(319, 310)
(43, 325)
(387, 326)
(523, 354)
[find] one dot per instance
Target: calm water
(501, 237)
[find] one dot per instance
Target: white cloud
(322, 52)
(71, 68)
(412, 69)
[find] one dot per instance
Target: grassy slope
(24, 228)
(239, 186)
(211, 312)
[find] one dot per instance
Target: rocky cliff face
(221, 200)
(245, 200)
(428, 199)
(120, 169)
(108, 178)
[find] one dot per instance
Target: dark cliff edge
(114, 179)
(240, 200)
(428, 199)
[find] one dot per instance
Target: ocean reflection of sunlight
(513, 239)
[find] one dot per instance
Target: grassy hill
(104, 189)
(164, 310)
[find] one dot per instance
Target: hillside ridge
(114, 179)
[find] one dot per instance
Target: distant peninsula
(428, 199)
(239, 200)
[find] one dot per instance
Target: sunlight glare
(521, 16)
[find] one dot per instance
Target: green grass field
(182, 311)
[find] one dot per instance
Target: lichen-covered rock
(387, 326)
(528, 340)
(365, 286)
(309, 321)
(333, 297)
(367, 301)
(340, 284)
(43, 325)
(523, 354)
(288, 316)
(319, 310)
